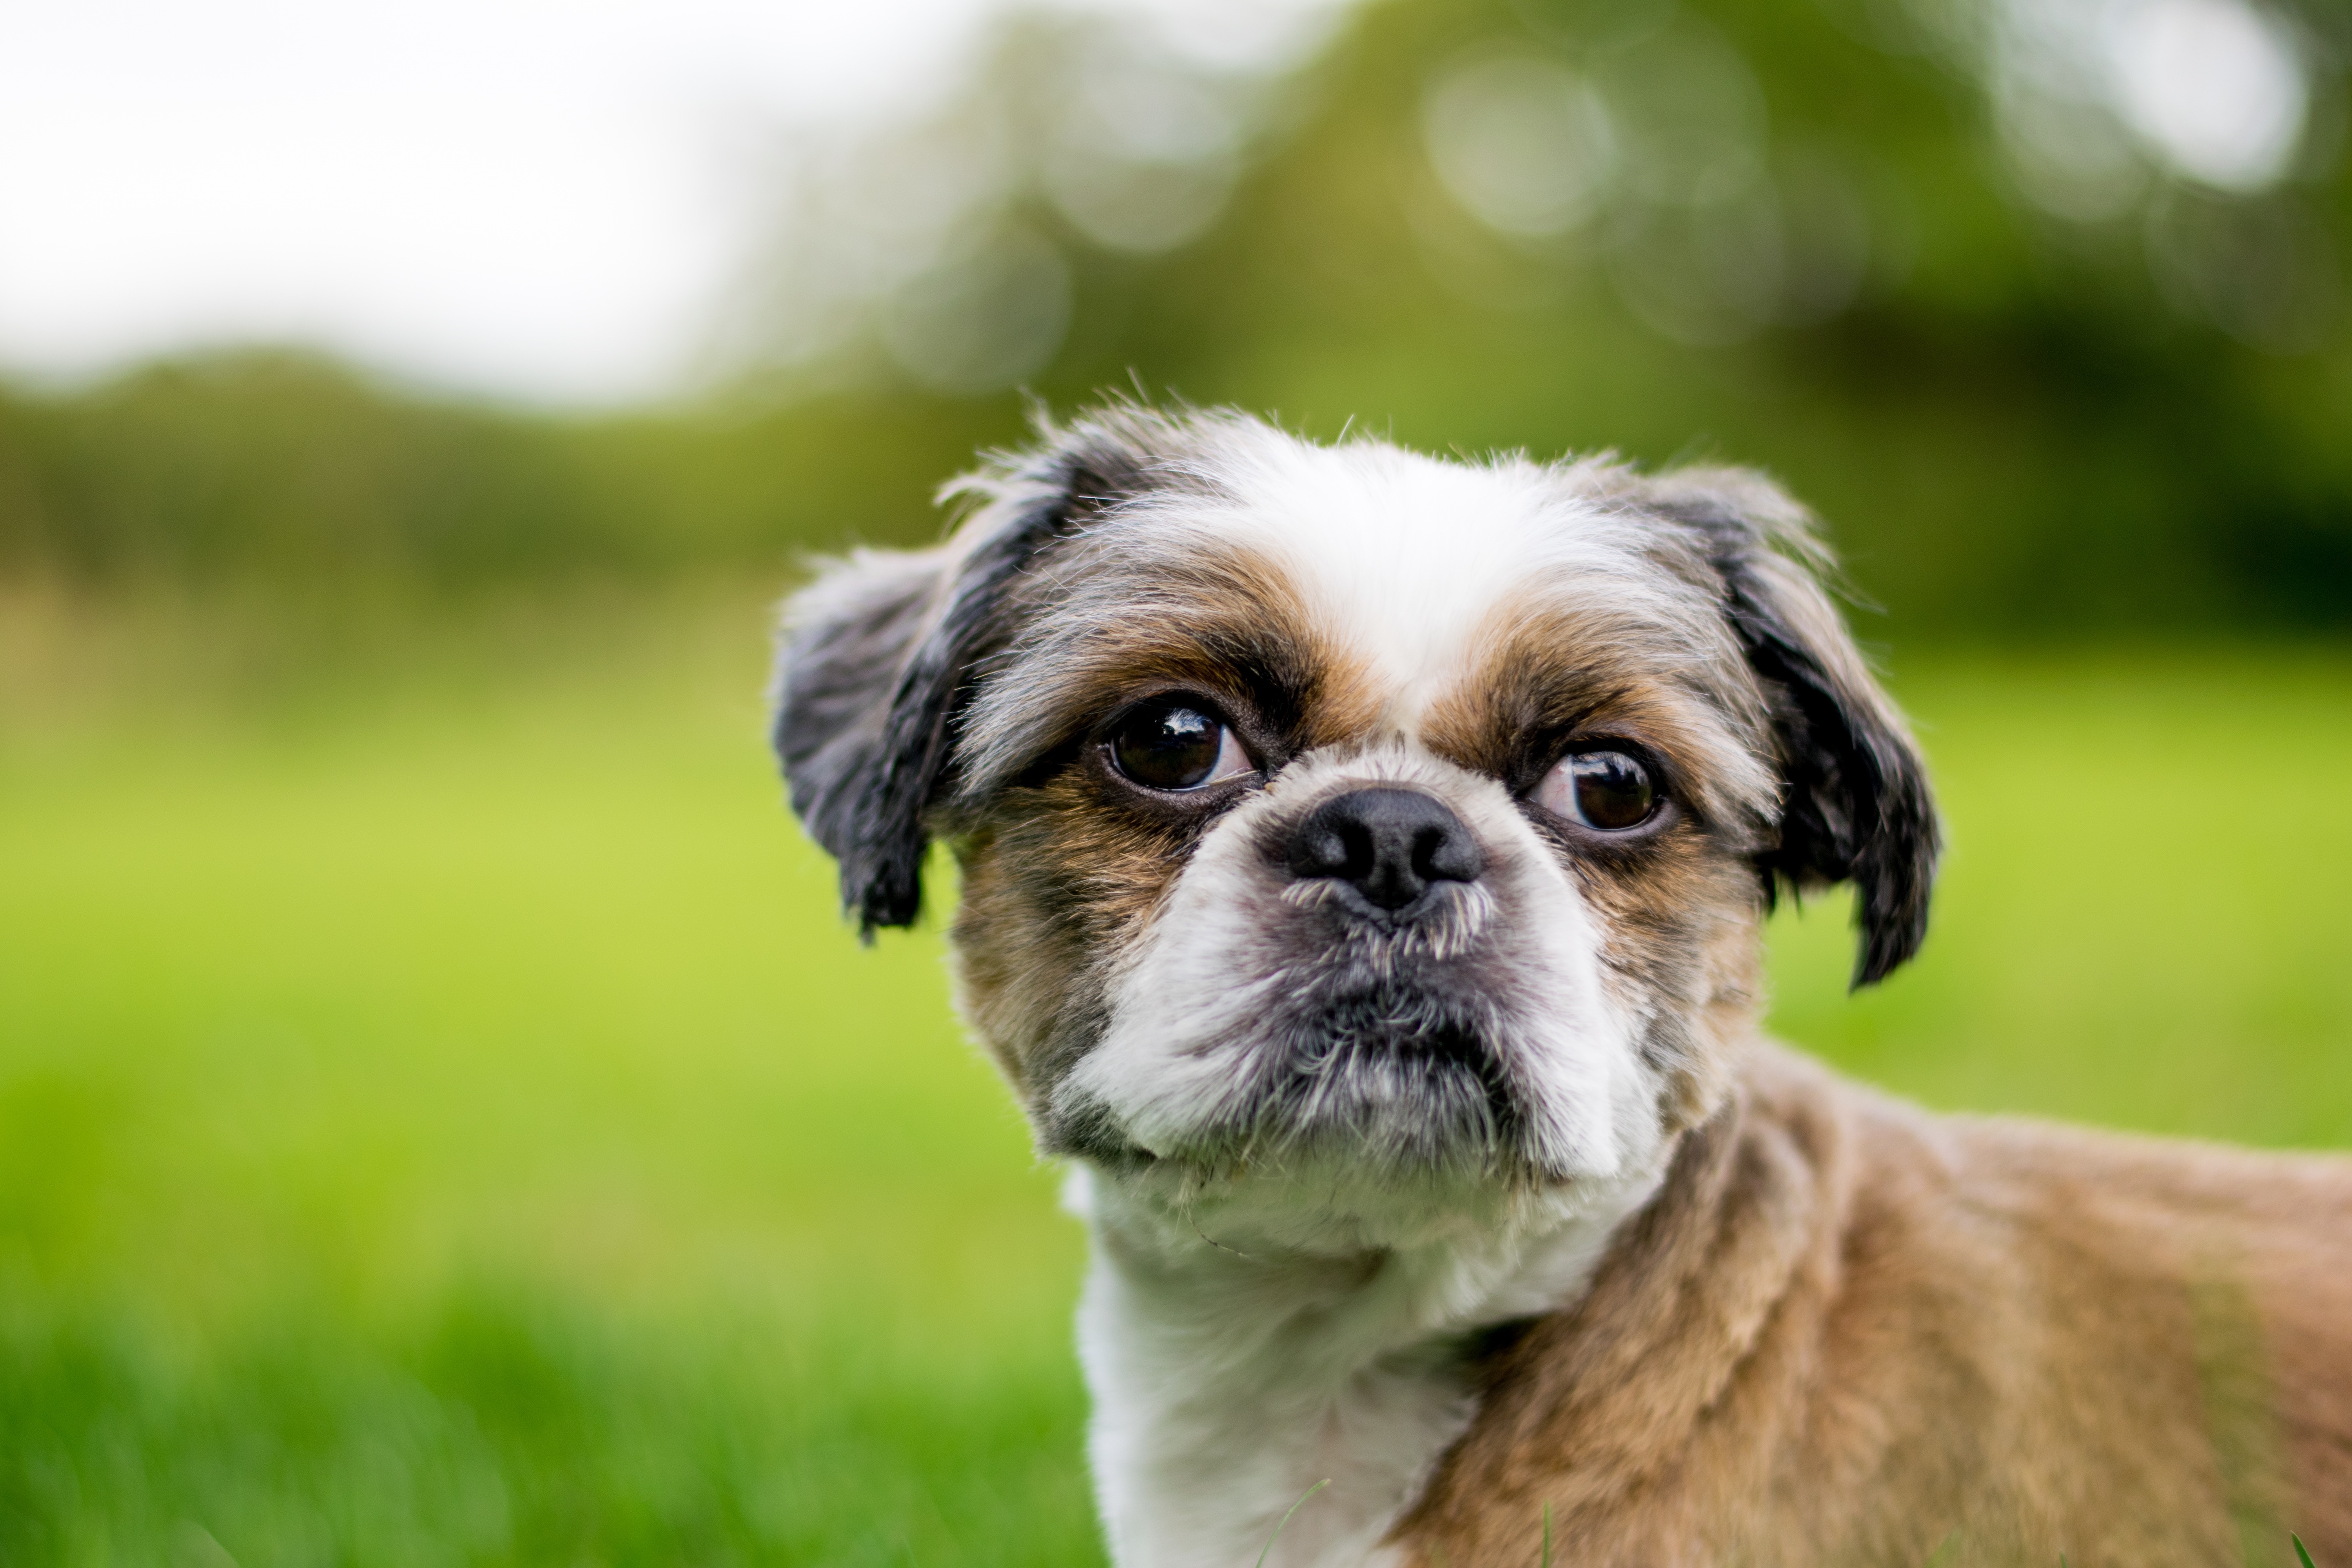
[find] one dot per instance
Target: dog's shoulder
(1847, 1328)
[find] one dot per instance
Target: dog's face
(1345, 813)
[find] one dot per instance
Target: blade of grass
(1270, 1539)
(1546, 1556)
(2301, 1553)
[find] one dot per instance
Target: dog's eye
(1169, 746)
(1608, 790)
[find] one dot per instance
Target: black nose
(1389, 844)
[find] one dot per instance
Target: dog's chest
(1204, 1441)
(1228, 1386)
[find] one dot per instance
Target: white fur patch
(1404, 560)
(1227, 1384)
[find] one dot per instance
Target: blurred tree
(288, 467)
(2041, 302)
(188, 468)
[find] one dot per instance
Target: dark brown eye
(1607, 790)
(1169, 746)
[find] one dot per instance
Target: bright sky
(541, 199)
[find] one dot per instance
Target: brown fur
(1845, 1332)
(1850, 1332)
(1105, 622)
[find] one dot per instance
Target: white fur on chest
(1229, 1382)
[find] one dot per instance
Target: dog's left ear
(878, 653)
(1856, 804)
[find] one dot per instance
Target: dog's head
(1337, 811)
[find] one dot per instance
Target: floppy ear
(879, 654)
(1855, 801)
(849, 640)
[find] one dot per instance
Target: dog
(1363, 860)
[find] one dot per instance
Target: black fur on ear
(878, 655)
(1854, 804)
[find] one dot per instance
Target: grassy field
(441, 1120)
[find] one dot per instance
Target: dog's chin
(1382, 1127)
(1386, 1085)
(1383, 1080)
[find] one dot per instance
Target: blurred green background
(441, 1116)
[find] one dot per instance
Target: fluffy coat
(1491, 1209)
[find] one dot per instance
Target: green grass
(2145, 910)
(442, 1121)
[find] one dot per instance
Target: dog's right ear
(849, 640)
(878, 653)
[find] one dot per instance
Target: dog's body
(1842, 1332)
(1364, 860)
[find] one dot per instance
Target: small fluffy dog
(1364, 860)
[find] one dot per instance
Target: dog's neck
(1247, 1343)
